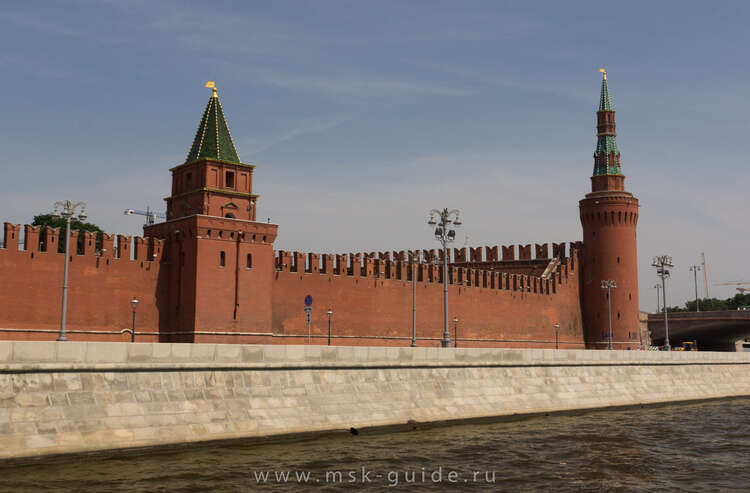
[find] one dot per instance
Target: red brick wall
(196, 301)
(380, 310)
(99, 293)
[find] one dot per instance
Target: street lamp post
(414, 301)
(455, 331)
(609, 285)
(445, 236)
(661, 262)
(134, 304)
(557, 331)
(657, 287)
(694, 269)
(67, 209)
(330, 314)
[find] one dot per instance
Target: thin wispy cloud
(257, 145)
(362, 116)
(37, 67)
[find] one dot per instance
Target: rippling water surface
(682, 447)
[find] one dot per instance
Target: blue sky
(363, 116)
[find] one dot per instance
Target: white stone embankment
(76, 396)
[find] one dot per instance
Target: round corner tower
(609, 216)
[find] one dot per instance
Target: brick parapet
(471, 274)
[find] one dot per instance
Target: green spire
(606, 153)
(603, 164)
(213, 140)
(605, 104)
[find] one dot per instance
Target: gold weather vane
(212, 85)
(602, 70)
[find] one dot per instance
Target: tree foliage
(714, 304)
(51, 221)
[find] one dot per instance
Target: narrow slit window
(222, 259)
(249, 263)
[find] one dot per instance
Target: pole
(557, 331)
(414, 304)
(445, 236)
(609, 312)
(658, 299)
(695, 279)
(329, 330)
(132, 332)
(664, 301)
(455, 332)
(308, 309)
(62, 336)
(446, 334)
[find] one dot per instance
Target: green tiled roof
(605, 145)
(213, 140)
(604, 102)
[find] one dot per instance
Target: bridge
(716, 331)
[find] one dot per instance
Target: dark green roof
(213, 140)
(604, 102)
(606, 145)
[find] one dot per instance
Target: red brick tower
(609, 216)
(219, 260)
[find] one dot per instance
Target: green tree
(51, 221)
(707, 305)
(715, 304)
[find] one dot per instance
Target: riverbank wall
(71, 397)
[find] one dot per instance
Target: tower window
(222, 259)
(229, 215)
(230, 179)
(249, 264)
(618, 260)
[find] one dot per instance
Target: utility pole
(657, 286)
(661, 263)
(694, 269)
(705, 274)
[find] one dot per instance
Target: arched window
(222, 259)
(229, 215)
(249, 264)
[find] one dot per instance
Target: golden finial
(603, 71)
(212, 85)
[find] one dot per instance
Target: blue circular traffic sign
(308, 300)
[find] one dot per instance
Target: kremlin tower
(609, 216)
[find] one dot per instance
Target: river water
(682, 447)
